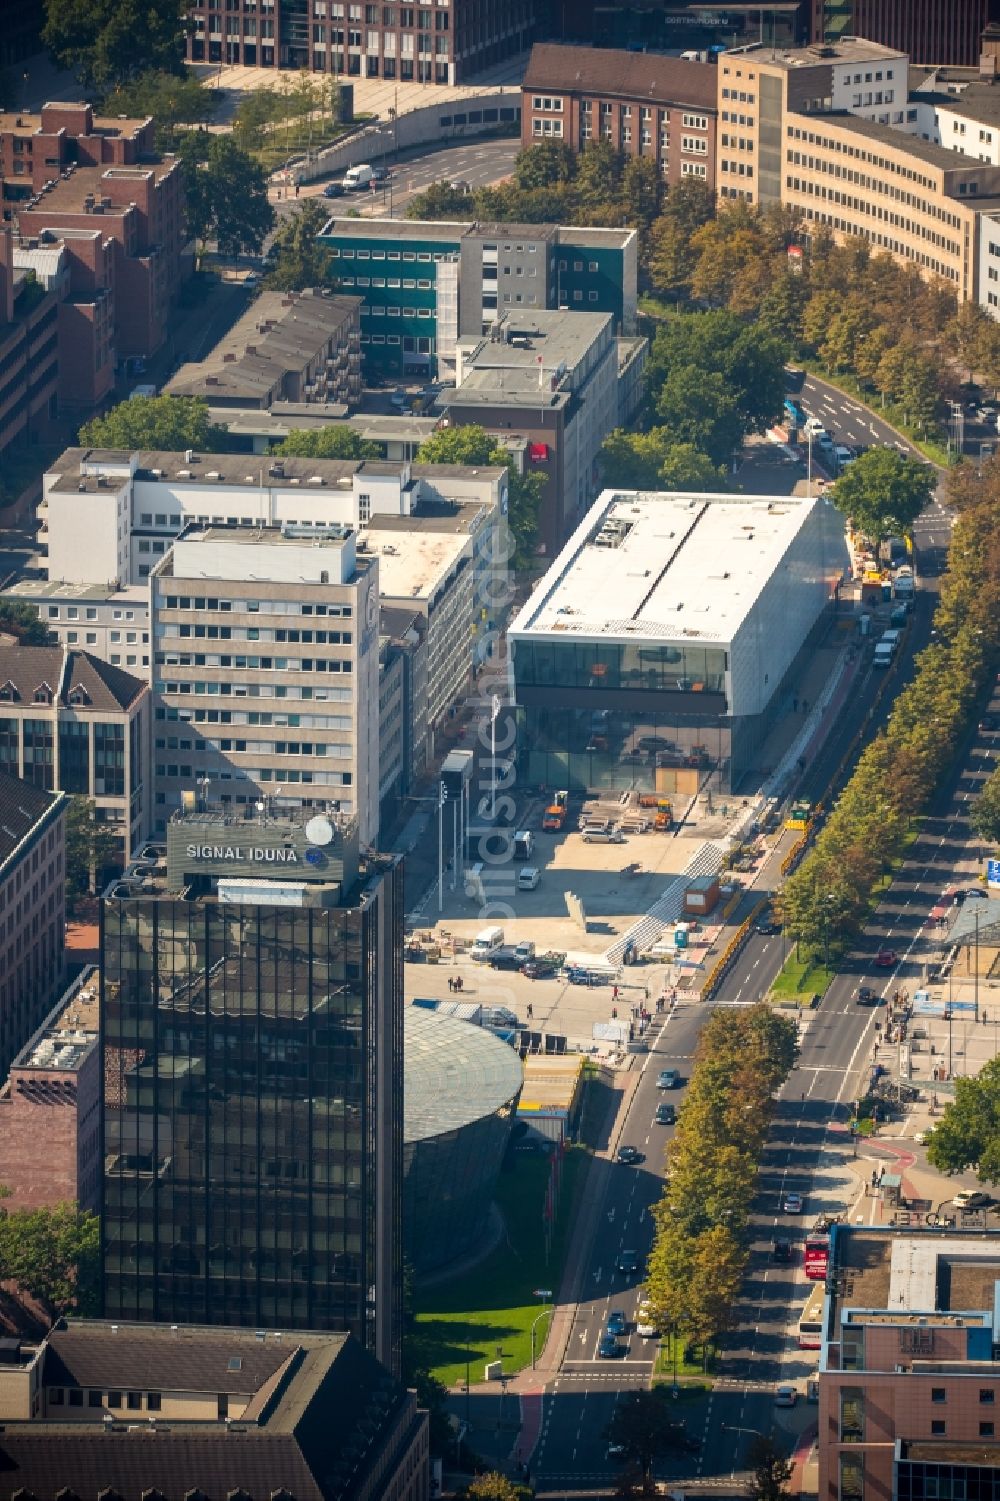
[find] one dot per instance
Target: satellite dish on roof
(319, 830)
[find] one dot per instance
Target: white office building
(265, 676)
(653, 652)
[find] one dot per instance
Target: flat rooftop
(69, 1032)
(46, 591)
(678, 567)
(558, 336)
(905, 1277)
(449, 233)
(68, 195)
(848, 49)
(280, 420)
(412, 564)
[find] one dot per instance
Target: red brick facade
(662, 108)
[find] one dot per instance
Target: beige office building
(824, 130)
(265, 671)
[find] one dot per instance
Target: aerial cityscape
(499, 750)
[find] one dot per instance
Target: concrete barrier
(442, 124)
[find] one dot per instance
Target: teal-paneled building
(424, 285)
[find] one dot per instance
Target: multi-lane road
(477, 163)
(808, 1143)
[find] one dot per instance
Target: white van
(486, 943)
(884, 652)
(890, 638)
(358, 177)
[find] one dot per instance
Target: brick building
(931, 31)
(78, 266)
(442, 42)
(29, 352)
(662, 108)
(32, 909)
(908, 1379)
(99, 186)
(50, 1119)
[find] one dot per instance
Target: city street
(808, 1152)
(476, 162)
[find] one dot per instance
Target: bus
(817, 1255)
(811, 1321)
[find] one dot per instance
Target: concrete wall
(440, 124)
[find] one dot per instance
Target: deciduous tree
(884, 491)
(645, 1424)
(22, 620)
(166, 422)
(54, 1255)
(471, 444)
(337, 441)
(985, 815)
(108, 42)
(302, 258)
(771, 1472)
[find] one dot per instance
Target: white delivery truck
(358, 177)
(486, 944)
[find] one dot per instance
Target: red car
(886, 958)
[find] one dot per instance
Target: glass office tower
(253, 1097)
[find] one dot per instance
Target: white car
(528, 878)
(814, 426)
(792, 1204)
(970, 1198)
(786, 1396)
(645, 1329)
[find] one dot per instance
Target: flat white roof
(412, 564)
(668, 566)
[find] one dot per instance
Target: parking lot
(612, 901)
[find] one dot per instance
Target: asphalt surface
(809, 1125)
(476, 162)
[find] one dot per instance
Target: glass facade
(594, 749)
(39, 766)
(462, 1089)
(252, 1114)
(645, 667)
(74, 755)
(923, 1481)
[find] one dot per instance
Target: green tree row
(857, 311)
(552, 184)
(824, 903)
(699, 1250)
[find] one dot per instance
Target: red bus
(817, 1255)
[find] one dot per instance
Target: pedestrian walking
(614, 992)
(531, 1011)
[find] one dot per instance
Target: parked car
(629, 1155)
(970, 1198)
(667, 1078)
(666, 1115)
(978, 893)
(541, 967)
(792, 1203)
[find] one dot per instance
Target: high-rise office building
(251, 1024)
(265, 669)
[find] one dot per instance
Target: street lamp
(545, 1293)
